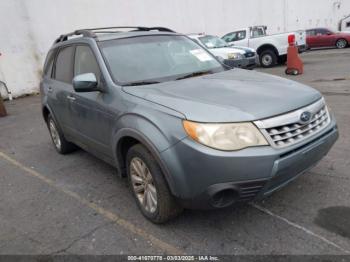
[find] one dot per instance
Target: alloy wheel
(341, 43)
(54, 134)
(266, 60)
(143, 184)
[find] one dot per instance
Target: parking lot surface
(76, 204)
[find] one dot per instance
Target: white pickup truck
(272, 49)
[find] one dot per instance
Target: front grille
(230, 62)
(249, 190)
(288, 129)
(249, 54)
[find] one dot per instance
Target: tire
(155, 186)
(62, 146)
(268, 58)
(282, 59)
(341, 43)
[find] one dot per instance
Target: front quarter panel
(156, 127)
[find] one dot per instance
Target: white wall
(28, 27)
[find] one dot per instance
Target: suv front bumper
(205, 178)
(245, 63)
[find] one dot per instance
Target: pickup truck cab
(272, 49)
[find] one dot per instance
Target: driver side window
(85, 62)
(235, 36)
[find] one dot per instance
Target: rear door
(60, 88)
(91, 113)
(311, 38)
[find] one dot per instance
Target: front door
(324, 38)
(92, 116)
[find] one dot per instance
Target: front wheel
(341, 43)
(268, 58)
(149, 187)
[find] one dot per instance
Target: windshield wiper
(141, 83)
(195, 74)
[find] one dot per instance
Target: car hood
(224, 51)
(231, 96)
(246, 49)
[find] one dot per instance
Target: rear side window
(257, 32)
(311, 32)
(85, 62)
(322, 32)
(49, 63)
(64, 65)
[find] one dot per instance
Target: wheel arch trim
(145, 141)
(263, 47)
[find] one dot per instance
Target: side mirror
(85, 83)
(329, 33)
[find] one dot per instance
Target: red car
(322, 37)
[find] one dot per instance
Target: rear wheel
(268, 58)
(61, 144)
(149, 187)
(341, 43)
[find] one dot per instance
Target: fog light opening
(224, 198)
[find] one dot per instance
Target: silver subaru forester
(183, 128)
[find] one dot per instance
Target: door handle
(71, 98)
(49, 89)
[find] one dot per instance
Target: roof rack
(91, 32)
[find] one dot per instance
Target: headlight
(234, 56)
(226, 137)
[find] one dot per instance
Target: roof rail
(91, 32)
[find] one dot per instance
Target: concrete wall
(28, 27)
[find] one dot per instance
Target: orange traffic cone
(295, 65)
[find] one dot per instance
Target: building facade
(29, 27)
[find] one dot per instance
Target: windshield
(153, 59)
(212, 41)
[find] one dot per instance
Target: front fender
(157, 135)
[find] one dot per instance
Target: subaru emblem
(305, 117)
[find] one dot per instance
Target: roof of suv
(110, 36)
(109, 33)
